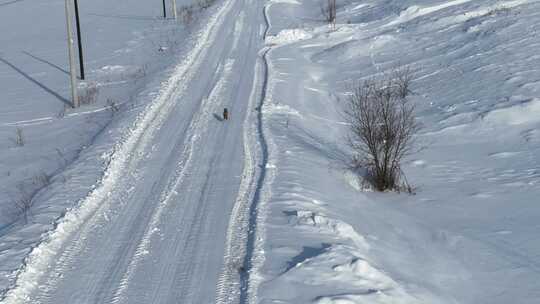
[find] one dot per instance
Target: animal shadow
(218, 117)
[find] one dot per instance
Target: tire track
(233, 274)
(126, 154)
(253, 259)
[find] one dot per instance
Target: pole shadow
(46, 62)
(128, 17)
(10, 2)
(39, 84)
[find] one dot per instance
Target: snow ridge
(254, 256)
(234, 282)
(228, 288)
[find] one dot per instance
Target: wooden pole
(175, 13)
(72, 69)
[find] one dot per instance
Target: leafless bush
(23, 203)
(498, 11)
(61, 157)
(143, 71)
(169, 41)
(383, 129)
(23, 207)
(61, 113)
(400, 79)
(113, 105)
(41, 179)
(19, 137)
(204, 4)
(88, 93)
(185, 14)
(329, 11)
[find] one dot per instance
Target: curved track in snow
(162, 224)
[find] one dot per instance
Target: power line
(164, 10)
(79, 39)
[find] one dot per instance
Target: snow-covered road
(155, 230)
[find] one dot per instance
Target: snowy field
(470, 234)
(128, 50)
(145, 195)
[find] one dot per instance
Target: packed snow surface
(162, 221)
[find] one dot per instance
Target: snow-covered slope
(155, 205)
(470, 234)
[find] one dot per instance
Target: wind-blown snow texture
(163, 203)
(470, 234)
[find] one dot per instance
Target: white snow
(526, 113)
(416, 11)
(288, 36)
(468, 235)
(161, 208)
(145, 194)
(122, 62)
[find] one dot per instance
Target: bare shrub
(498, 11)
(204, 4)
(169, 41)
(329, 11)
(61, 157)
(144, 69)
(26, 191)
(19, 137)
(88, 93)
(23, 203)
(382, 130)
(41, 179)
(113, 105)
(61, 113)
(401, 81)
(186, 14)
(23, 207)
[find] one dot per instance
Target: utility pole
(72, 69)
(164, 10)
(79, 39)
(175, 14)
